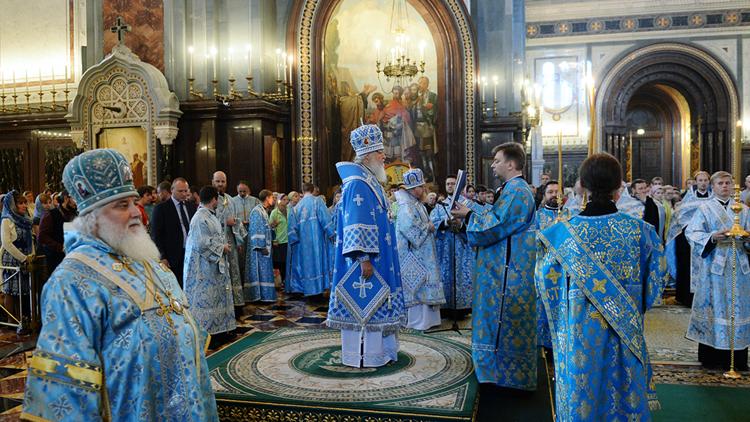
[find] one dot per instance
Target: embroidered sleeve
(256, 237)
(410, 226)
(655, 269)
(210, 243)
(511, 214)
(65, 374)
(360, 232)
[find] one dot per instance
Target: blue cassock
(292, 251)
(455, 259)
(597, 276)
(104, 351)
(710, 320)
(207, 282)
(416, 252)
(545, 217)
(364, 231)
(259, 267)
(310, 231)
(504, 314)
(235, 235)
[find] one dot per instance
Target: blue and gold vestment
(455, 258)
(504, 305)
(105, 352)
(597, 275)
(310, 231)
(545, 217)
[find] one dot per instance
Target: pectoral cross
(362, 285)
(120, 29)
(358, 199)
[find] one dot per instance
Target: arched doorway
(454, 40)
(685, 102)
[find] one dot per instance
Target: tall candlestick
(738, 153)
(191, 50)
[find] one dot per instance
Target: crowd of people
(142, 277)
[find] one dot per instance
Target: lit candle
(278, 64)
(495, 81)
(484, 89)
(230, 58)
(377, 50)
(40, 79)
(53, 77)
(291, 61)
(66, 77)
(249, 50)
(283, 61)
(421, 51)
(191, 50)
(14, 82)
(213, 55)
(26, 72)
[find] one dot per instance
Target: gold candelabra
(25, 103)
(283, 92)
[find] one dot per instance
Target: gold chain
(165, 308)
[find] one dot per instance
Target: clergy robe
(368, 311)
(259, 278)
(420, 279)
(206, 277)
(242, 209)
(311, 233)
(455, 259)
(235, 236)
(597, 274)
(712, 311)
(292, 252)
(105, 350)
(683, 263)
(504, 314)
(545, 217)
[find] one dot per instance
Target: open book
(460, 186)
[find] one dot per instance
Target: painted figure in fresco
(396, 126)
(139, 175)
(597, 274)
(425, 123)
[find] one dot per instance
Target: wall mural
(407, 110)
(131, 142)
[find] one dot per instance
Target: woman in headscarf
(17, 247)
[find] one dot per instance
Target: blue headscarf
(22, 223)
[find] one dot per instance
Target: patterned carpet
(297, 374)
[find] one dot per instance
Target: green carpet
(706, 404)
(296, 374)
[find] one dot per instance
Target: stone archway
(690, 73)
(454, 35)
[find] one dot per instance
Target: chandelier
(399, 65)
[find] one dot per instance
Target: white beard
(378, 169)
(137, 246)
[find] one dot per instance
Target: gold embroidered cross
(553, 276)
(599, 285)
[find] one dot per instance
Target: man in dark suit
(170, 224)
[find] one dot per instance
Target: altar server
(259, 275)
(207, 283)
(235, 233)
(597, 274)
(415, 234)
(723, 280)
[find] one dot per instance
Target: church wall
(599, 32)
(146, 18)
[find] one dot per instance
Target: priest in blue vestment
(503, 338)
(719, 297)
(235, 233)
(597, 274)
(259, 282)
(207, 283)
(415, 234)
(546, 216)
(310, 232)
(367, 303)
(455, 257)
(118, 340)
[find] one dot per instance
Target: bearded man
(367, 303)
(117, 340)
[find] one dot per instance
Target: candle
(283, 61)
(249, 50)
(377, 50)
(559, 158)
(484, 89)
(14, 82)
(278, 64)
(191, 50)
(291, 61)
(214, 54)
(26, 72)
(495, 81)
(40, 79)
(738, 153)
(230, 58)
(66, 77)
(53, 77)
(421, 51)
